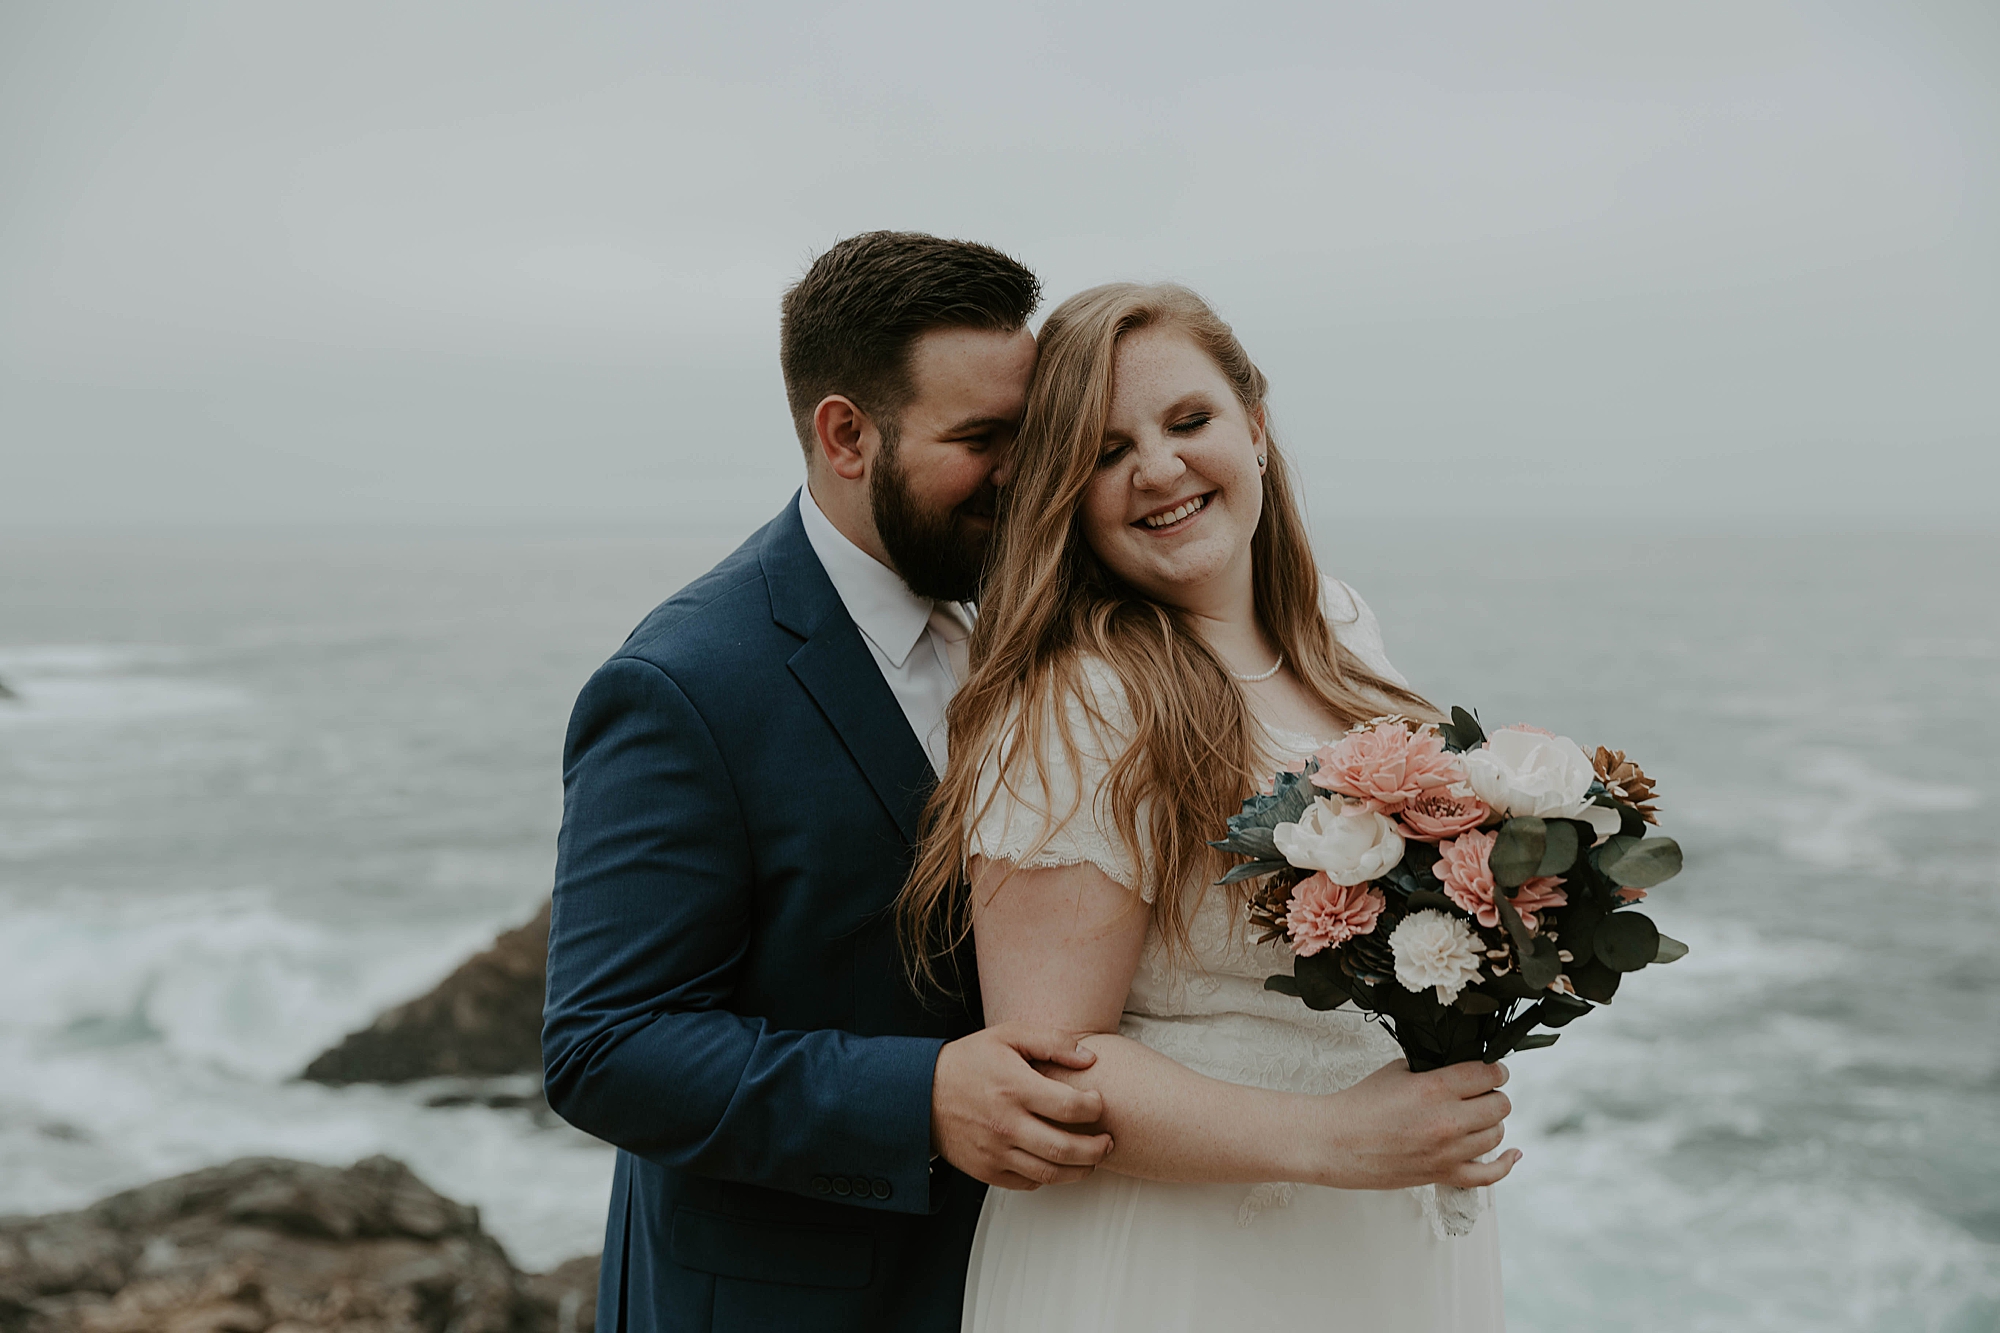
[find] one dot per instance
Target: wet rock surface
(483, 1020)
(265, 1245)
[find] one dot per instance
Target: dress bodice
(1208, 1007)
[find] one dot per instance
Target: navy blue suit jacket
(726, 1001)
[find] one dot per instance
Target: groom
(803, 1142)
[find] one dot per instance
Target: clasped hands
(1001, 1120)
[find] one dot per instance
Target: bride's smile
(1178, 491)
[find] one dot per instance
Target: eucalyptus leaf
(1541, 965)
(1614, 847)
(1253, 870)
(1253, 841)
(1626, 941)
(1282, 984)
(1647, 862)
(1594, 981)
(1517, 851)
(1475, 1002)
(1524, 943)
(1576, 927)
(1630, 822)
(1557, 1009)
(1534, 1041)
(1559, 848)
(1671, 950)
(1320, 981)
(1423, 898)
(1467, 725)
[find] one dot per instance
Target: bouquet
(1463, 889)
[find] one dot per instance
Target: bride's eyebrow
(1195, 401)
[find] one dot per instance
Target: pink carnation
(1387, 766)
(1441, 813)
(1324, 913)
(1468, 881)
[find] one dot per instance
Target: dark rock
(485, 1019)
(6, 693)
(265, 1245)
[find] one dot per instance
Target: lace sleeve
(1056, 812)
(1354, 624)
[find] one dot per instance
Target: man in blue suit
(804, 1141)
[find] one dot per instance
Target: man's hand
(999, 1121)
(1395, 1129)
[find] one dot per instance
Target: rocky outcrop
(483, 1020)
(265, 1245)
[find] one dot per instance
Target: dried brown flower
(1626, 782)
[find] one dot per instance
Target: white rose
(1435, 949)
(1350, 843)
(1523, 773)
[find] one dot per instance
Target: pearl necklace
(1261, 675)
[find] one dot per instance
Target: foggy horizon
(1709, 268)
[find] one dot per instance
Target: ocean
(258, 787)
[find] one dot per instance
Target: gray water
(258, 788)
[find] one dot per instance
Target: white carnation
(1351, 843)
(1433, 948)
(1522, 773)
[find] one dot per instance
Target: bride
(1153, 636)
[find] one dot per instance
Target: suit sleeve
(652, 916)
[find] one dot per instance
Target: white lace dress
(1117, 1253)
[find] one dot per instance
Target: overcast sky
(1687, 262)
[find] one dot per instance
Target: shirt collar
(891, 616)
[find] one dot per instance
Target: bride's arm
(1059, 946)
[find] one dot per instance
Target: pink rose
(1387, 766)
(1468, 881)
(1444, 812)
(1324, 913)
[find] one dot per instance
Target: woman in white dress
(1153, 638)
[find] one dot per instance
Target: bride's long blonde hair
(1049, 603)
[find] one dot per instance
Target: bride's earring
(1260, 465)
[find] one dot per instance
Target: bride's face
(1178, 490)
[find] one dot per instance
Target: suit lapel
(837, 670)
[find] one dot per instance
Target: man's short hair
(849, 322)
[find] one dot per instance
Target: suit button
(842, 1187)
(821, 1185)
(883, 1189)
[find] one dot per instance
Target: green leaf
(1254, 841)
(1320, 981)
(1253, 870)
(1594, 981)
(1576, 925)
(1462, 732)
(1524, 943)
(1534, 1041)
(1475, 1002)
(1630, 822)
(1541, 965)
(1626, 941)
(1645, 862)
(1557, 1009)
(1292, 797)
(1517, 851)
(1671, 950)
(1559, 849)
(1284, 985)
(1423, 898)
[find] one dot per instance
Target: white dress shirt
(905, 633)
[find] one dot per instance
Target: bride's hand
(1395, 1129)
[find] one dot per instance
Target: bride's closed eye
(1190, 423)
(1113, 452)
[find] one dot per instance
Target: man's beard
(940, 556)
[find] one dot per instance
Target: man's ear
(840, 427)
